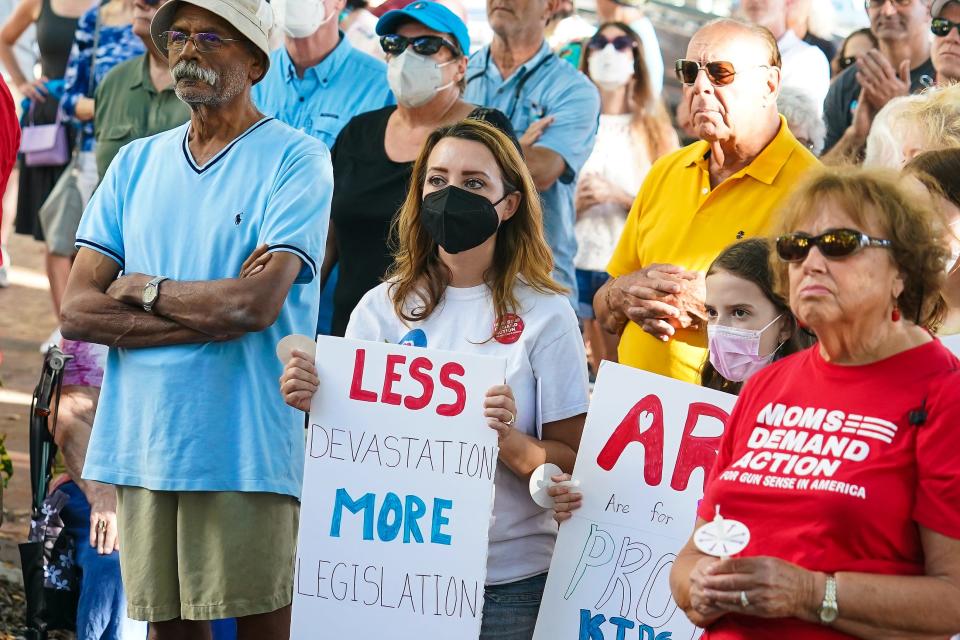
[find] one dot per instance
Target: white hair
(802, 116)
(885, 140)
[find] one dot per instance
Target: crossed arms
(99, 307)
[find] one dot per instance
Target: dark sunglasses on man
(941, 27)
(394, 44)
(719, 72)
(834, 244)
(620, 43)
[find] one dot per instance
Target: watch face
(149, 294)
(828, 614)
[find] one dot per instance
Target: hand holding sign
(544, 478)
(299, 380)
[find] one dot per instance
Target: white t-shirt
(549, 350)
(804, 67)
(620, 160)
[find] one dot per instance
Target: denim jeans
(102, 610)
(510, 610)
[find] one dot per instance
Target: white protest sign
(397, 493)
(647, 446)
(952, 343)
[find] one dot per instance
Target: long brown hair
(521, 251)
(750, 260)
(650, 122)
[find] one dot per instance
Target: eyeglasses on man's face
(175, 41)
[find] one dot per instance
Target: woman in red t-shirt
(843, 459)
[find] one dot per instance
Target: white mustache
(190, 70)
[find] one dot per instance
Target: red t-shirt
(823, 465)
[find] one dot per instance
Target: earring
(895, 316)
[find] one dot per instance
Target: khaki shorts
(200, 555)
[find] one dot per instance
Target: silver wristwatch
(829, 611)
(151, 291)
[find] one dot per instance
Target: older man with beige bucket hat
(218, 227)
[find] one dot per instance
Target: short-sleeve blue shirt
(347, 82)
(543, 86)
(207, 417)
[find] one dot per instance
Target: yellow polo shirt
(677, 219)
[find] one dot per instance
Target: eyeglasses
(719, 72)
(846, 61)
(620, 43)
(204, 42)
(833, 244)
(877, 4)
(424, 45)
(941, 27)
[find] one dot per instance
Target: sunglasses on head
(719, 72)
(424, 45)
(941, 27)
(620, 43)
(204, 42)
(833, 244)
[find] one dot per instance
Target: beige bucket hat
(252, 18)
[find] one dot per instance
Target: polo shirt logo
(238, 219)
(739, 235)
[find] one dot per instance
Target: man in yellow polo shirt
(701, 198)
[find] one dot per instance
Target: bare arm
(25, 14)
(330, 256)
(231, 306)
(89, 314)
(546, 166)
(871, 606)
(72, 435)
(561, 440)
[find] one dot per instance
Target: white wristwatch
(829, 611)
(151, 291)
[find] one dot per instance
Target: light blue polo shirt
(543, 86)
(207, 417)
(345, 83)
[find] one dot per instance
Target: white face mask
(302, 18)
(611, 69)
(415, 79)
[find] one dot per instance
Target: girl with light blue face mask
(749, 324)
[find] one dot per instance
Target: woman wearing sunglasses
(472, 274)
(854, 45)
(841, 459)
(634, 131)
(426, 47)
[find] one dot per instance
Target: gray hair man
(217, 226)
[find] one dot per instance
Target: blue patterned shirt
(116, 44)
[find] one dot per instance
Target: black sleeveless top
(54, 38)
